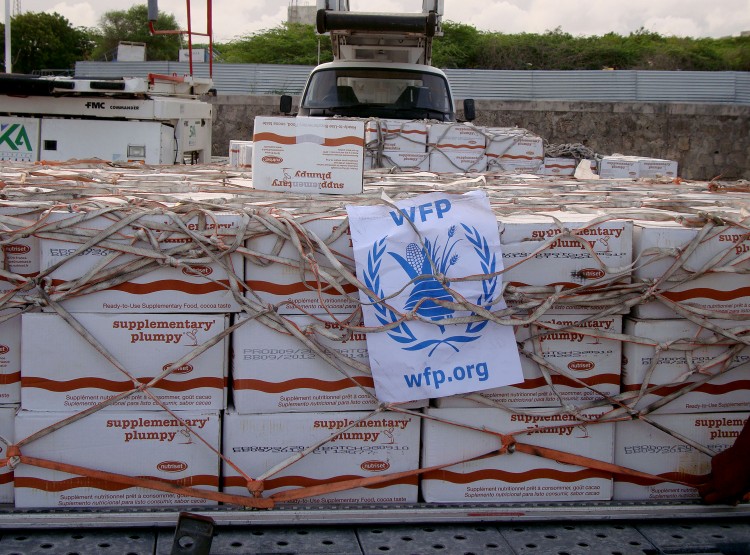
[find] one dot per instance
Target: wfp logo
(422, 264)
(15, 137)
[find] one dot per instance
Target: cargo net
(139, 220)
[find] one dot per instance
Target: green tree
(42, 41)
(290, 43)
(459, 47)
(132, 26)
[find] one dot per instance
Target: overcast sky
(234, 18)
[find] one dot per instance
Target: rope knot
(255, 487)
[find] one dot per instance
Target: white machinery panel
(114, 141)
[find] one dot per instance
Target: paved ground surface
(673, 537)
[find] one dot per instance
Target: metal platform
(668, 537)
(379, 514)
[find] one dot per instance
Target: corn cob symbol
(422, 264)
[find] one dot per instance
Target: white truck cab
(382, 67)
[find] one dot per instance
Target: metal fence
(614, 86)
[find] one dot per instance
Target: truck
(382, 67)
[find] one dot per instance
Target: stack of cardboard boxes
(144, 326)
(299, 382)
(301, 378)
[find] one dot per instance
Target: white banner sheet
(399, 251)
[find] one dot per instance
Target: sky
(235, 18)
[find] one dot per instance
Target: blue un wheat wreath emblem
(420, 263)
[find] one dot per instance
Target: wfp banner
(457, 237)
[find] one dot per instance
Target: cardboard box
(10, 356)
(396, 135)
(574, 345)
(282, 285)
(643, 447)
(518, 476)
(7, 431)
(619, 167)
(199, 286)
(379, 445)
(456, 148)
(308, 155)
(63, 372)
(513, 149)
(728, 391)
(238, 155)
(559, 166)
(565, 260)
(655, 167)
(276, 372)
(654, 244)
(403, 161)
(149, 444)
(21, 256)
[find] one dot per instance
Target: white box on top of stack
(7, 431)
(21, 256)
(146, 444)
(643, 447)
(308, 155)
(565, 261)
(589, 364)
(456, 148)
(512, 149)
(392, 135)
(273, 371)
(364, 446)
(238, 155)
(10, 356)
(656, 167)
(517, 476)
(619, 167)
(199, 285)
(292, 292)
(655, 245)
(63, 372)
(727, 391)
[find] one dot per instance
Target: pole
(8, 62)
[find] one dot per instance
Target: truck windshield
(387, 93)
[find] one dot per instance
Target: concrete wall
(707, 140)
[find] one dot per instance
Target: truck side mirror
(285, 104)
(470, 111)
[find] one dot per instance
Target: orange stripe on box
(708, 388)
(612, 379)
(165, 285)
(84, 482)
(300, 383)
(8, 379)
(114, 386)
(274, 138)
(707, 293)
(514, 477)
